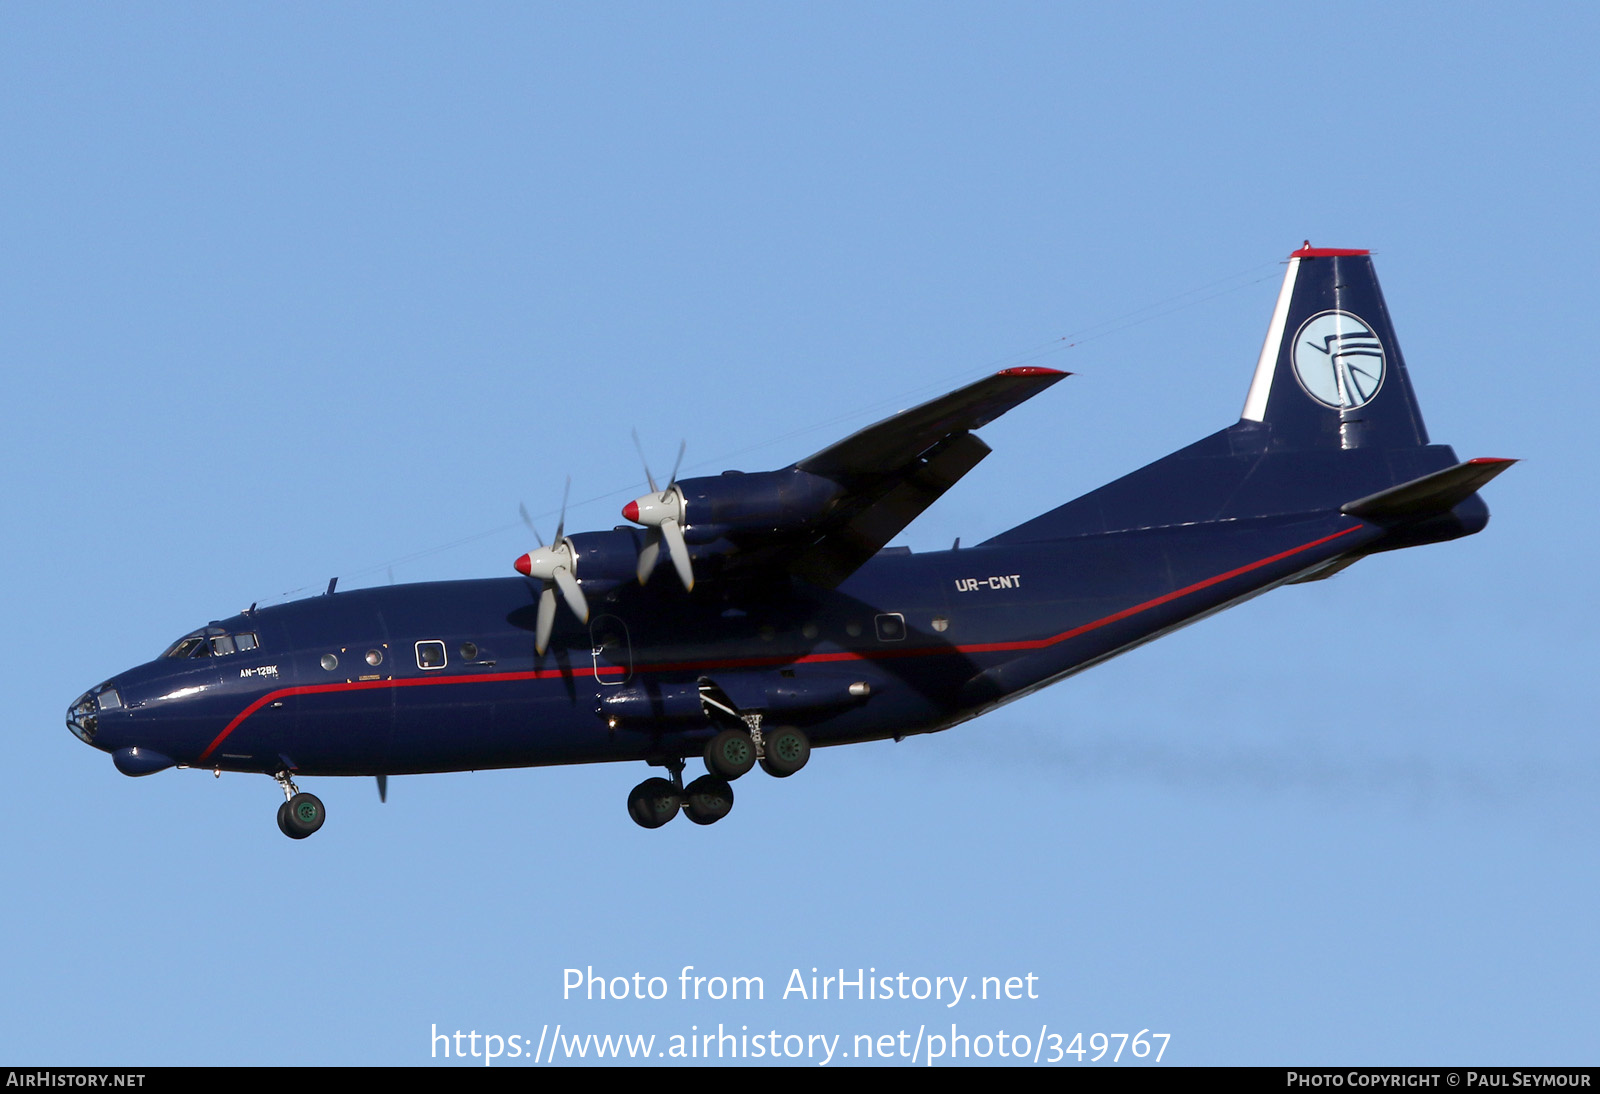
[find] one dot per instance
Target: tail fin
(1330, 373)
(1330, 422)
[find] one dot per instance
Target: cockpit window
(209, 642)
(187, 647)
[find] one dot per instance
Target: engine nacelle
(604, 560)
(737, 504)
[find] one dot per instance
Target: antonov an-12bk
(777, 619)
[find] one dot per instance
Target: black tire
(730, 754)
(707, 800)
(654, 802)
(302, 815)
(787, 751)
(283, 819)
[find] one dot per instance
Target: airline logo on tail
(1338, 360)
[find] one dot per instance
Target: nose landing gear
(301, 814)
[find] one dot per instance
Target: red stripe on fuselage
(760, 662)
(365, 685)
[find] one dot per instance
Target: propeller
(662, 512)
(554, 565)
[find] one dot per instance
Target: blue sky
(291, 291)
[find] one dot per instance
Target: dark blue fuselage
(444, 676)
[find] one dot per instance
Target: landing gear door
(612, 650)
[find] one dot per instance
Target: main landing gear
(730, 754)
(301, 814)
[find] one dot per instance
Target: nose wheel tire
(301, 815)
(787, 751)
(708, 799)
(654, 802)
(730, 754)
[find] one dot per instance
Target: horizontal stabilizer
(1428, 496)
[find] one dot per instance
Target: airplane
(744, 619)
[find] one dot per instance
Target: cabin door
(611, 649)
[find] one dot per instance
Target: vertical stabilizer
(1330, 373)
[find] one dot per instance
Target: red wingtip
(631, 512)
(1308, 251)
(1491, 459)
(1031, 370)
(524, 565)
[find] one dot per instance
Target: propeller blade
(547, 620)
(682, 445)
(574, 595)
(526, 519)
(561, 525)
(649, 478)
(650, 554)
(679, 551)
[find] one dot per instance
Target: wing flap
(878, 518)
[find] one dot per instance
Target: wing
(893, 444)
(821, 518)
(895, 469)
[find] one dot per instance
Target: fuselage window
(891, 627)
(246, 641)
(430, 655)
(222, 645)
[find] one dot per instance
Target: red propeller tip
(631, 512)
(524, 565)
